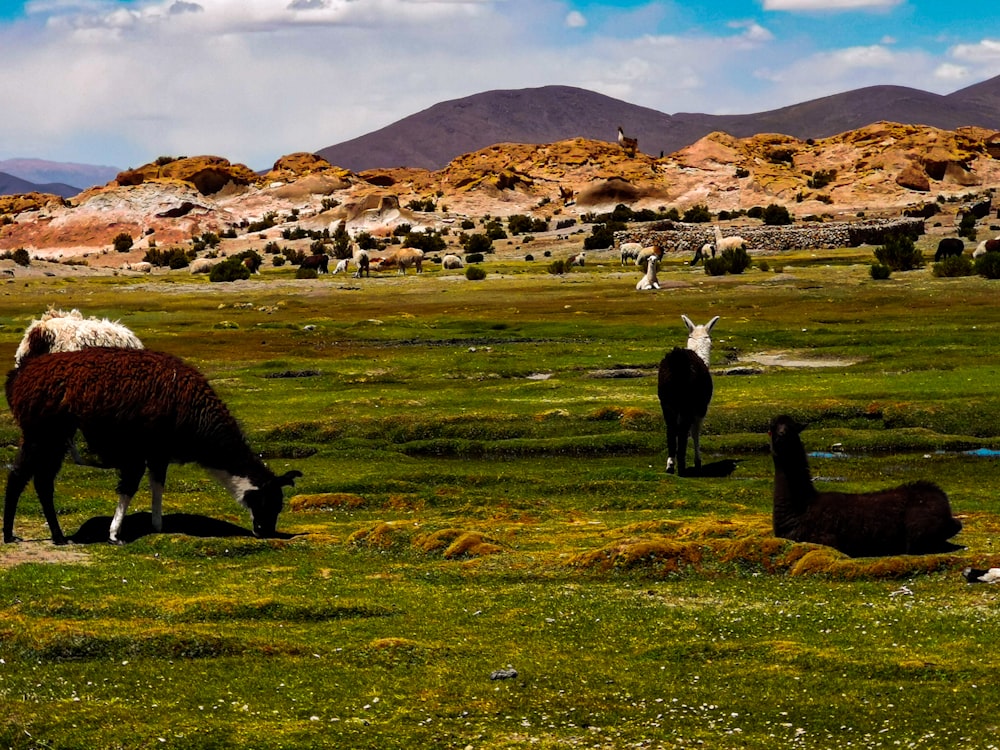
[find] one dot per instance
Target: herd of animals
(140, 409)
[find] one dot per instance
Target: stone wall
(686, 238)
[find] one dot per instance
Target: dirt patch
(40, 552)
(790, 359)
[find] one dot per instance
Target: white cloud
(952, 73)
(816, 5)
(753, 32)
(575, 19)
(986, 51)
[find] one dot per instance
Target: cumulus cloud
(575, 20)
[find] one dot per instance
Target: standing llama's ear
(687, 322)
(709, 324)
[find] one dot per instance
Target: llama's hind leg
(671, 447)
(696, 442)
(128, 483)
(47, 465)
(18, 478)
(157, 480)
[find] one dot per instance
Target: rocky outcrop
(207, 174)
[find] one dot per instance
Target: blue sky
(120, 82)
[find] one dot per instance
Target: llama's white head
(700, 338)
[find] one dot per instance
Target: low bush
(880, 271)
(899, 253)
(955, 265)
(475, 273)
(231, 269)
(988, 266)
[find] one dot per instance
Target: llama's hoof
(11, 539)
(670, 470)
(60, 540)
(116, 542)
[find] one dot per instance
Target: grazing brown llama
(684, 387)
(912, 519)
(136, 408)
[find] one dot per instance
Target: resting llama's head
(700, 337)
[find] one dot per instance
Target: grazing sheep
(685, 389)
(341, 266)
(141, 267)
(913, 519)
(629, 145)
(451, 262)
(649, 281)
(630, 251)
(727, 243)
(987, 246)
(362, 261)
(578, 259)
(948, 247)
(137, 409)
(320, 262)
(203, 265)
(702, 253)
(980, 575)
(60, 331)
(409, 257)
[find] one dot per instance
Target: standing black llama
(913, 519)
(685, 390)
(136, 409)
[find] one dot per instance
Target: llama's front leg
(45, 489)
(119, 517)
(671, 447)
(157, 480)
(17, 480)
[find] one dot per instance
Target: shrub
(899, 253)
(742, 172)
(715, 266)
(558, 267)
(821, 178)
(988, 265)
(602, 235)
(955, 265)
(474, 258)
(764, 266)
(775, 215)
(122, 242)
(306, 273)
(880, 272)
(698, 214)
(231, 269)
(21, 257)
(277, 260)
(475, 273)
(173, 257)
(736, 259)
(478, 243)
(967, 227)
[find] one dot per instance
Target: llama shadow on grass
(138, 525)
(722, 468)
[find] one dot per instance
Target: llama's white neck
(237, 486)
(718, 233)
(701, 344)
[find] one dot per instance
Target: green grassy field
(479, 494)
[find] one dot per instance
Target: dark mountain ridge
(431, 138)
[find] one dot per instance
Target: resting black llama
(685, 390)
(136, 408)
(913, 519)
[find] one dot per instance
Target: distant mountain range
(430, 139)
(65, 179)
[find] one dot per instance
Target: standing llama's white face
(700, 337)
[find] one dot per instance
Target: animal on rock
(136, 408)
(685, 390)
(61, 331)
(912, 519)
(948, 247)
(649, 281)
(629, 145)
(320, 262)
